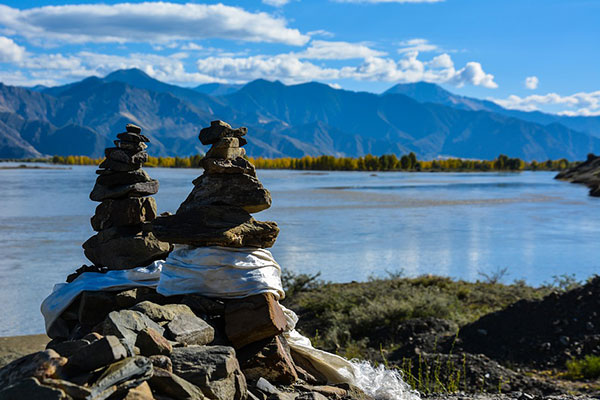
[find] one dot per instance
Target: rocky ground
(587, 173)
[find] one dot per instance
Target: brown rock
(252, 319)
(215, 226)
(116, 178)
(31, 388)
(162, 362)
(123, 212)
(126, 324)
(169, 384)
(98, 354)
(217, 130)
(124, 248)
(238, 190)
(140, 189)
(133, 128)
(40, 365)
(160, 313)
(141, 392)
(151, 343)
(71, 389)
(229, 153)
(270, 359)
(235, 166)
(190, 330)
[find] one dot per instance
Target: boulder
(115, 165)
(129, 211)
(160, 313)
(133, 128)
(237, 190)
(122, 376)
(141, 392)
(253, 318)
(270, 359)
(162, 362)
(169, 384)
(216, 226)
(31, 389)
(190, 330)
(219, 129)
(98, 354)
(214, 369)
(232, 166)
(40, 365)
(139, 189)
(116, 178)
(151, 343)
(124, 248)
(126, 324)
(228, 153)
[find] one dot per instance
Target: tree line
(387, 162)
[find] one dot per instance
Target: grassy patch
(585, 368)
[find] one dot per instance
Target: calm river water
(346, 225)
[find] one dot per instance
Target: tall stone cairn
(217, 211)
(122, 220)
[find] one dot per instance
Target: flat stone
(123, 248)
(253, 318)
(266, 387)
(217, 130)
(40, 365)
(123, 212)
(216, 226)
(132, 137)
(133, 128)
(130, 146)
(162, 362)
(169, 384)
(311, 396)
(214, 369)
(270, 359)
(141, 392)
(228, 153)
(116, 178)
(31, 388)
(140, 189)
(98, 354)
(238, 190)
(126, 324)
(160, 313)
(188, 329)
(151, 343)
(125, 374)
(125, 156)
(238, 165)
(71, 389)
(115, 165)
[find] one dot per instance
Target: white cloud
(276, 3)
(388, 1)
(417, 44)
(145, 22)
(289, 68)
(531, 82)
(325, 50)
(10, 51)
(321, 32)
(582, 103)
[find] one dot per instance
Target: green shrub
(586, 368)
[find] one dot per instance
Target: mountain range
(283, 120)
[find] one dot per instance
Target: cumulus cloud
(10, 51)
(417, 44)
(290, 68)
(582, 103)
(531, 82)
(276, 3)
(326, 50)
(145, 22)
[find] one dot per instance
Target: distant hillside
(307, 119)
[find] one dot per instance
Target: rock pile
(137, 344)
(124, 239)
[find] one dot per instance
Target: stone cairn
(136, 344)
(122, 220)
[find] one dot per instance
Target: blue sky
(526, 54)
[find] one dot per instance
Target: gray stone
(130, 146)
(115, 165)
(227, 153)
(123, 212)
(124, 248)
(68, 347)
(116, 178)
(311, 396)
(169, 384)
(190, 330)
(71, 389)
(219, 129)
(214, 369)
(125, 156)
(126, 324)
(237, 190)
(216, 226)
(266, 387)
(152, 343)
(98, 354)
(159, 313)
(122, 376)
(133, 128)
(40, 365)
(31, 389)
(140, 189)
(235, 166)
(162, 362)
(132, 137)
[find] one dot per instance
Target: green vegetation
(388, 162)
(585, 368)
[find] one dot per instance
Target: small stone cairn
(136, 344)
(122, 220)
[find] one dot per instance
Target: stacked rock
(217, 211)
(124, 239)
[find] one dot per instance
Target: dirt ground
(14, 347)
